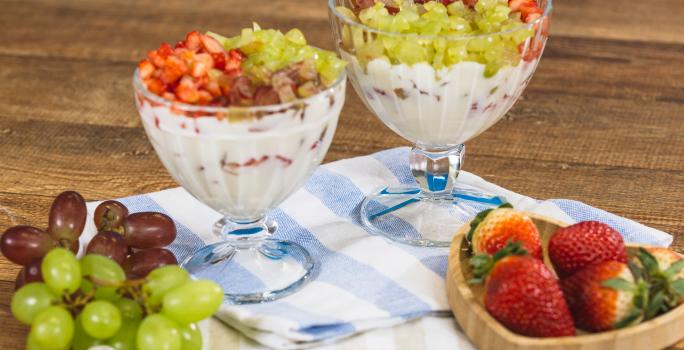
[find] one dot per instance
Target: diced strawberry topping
(219, 60)
(145, 69)
(210, 44)
(174, 68)
(201, 64)
(155, 85)
(165, 50)
(155, 58)
(198, 70)
(187, 90)
(193, 41)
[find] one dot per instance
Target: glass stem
(436, 170)
(244, 233)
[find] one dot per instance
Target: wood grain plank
(601, 121)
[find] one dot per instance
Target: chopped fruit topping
(504, 20)
(259, 67)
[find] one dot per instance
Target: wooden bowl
(485, 332)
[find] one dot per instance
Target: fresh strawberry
(663, 269)
(523, 294)
(605, 296)
(585, 243)
(492, 229)
(666, 258)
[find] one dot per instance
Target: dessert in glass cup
(241, 123)
(438, 73)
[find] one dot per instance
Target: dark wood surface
(601, 122)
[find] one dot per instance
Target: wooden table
(601, 122)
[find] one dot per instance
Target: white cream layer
(243, 168)
(441, 107)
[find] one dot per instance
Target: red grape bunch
(27, 245)
(134, 241)
(119, 294)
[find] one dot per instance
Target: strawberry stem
(483, 263)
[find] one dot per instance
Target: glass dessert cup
(437, 107)
(243, 162)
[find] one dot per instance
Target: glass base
(411, 216)
(253, 271)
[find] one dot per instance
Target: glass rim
(186, 107)
(333, 9)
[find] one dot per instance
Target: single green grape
(30, 300)
(125, 338)
(162, 280)
(158, 332)
(61, 271)
(193, 301)
(53, 328)
(102, 268)
(101, 319)
(32, 345)
(130, 309)
(82, 340)
(192, 337)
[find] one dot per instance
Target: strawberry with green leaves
(663, 270)
(492, 229)
(522, 293)
(585, 243)
(607, 296)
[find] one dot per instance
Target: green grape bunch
(88, 302)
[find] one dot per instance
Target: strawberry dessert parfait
(438, 73)
(241, 123)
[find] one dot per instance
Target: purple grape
(29, 273)
(149, 230)
(24, 244)
(109, 244)
(142, 262)
(110, 216)
(67, 218)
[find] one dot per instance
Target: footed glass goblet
(437, 91)
(243, 162)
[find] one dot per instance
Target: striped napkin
(364, 282)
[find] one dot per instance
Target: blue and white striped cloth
(365, 281)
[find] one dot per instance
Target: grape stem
(128, 287)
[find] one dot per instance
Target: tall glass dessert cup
(437, 91)
(243, 162)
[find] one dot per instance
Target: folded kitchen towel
(364, 281)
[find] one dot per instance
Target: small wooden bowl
(485, 332)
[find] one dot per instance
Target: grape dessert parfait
(438, 73)
(241, 123)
